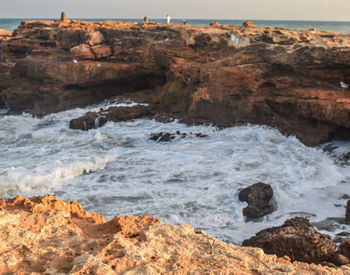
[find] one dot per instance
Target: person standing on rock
(168, 19)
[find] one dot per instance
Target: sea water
(343, 27)
(119, 170)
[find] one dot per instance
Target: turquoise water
(11, 24)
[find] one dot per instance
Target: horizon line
(161, 18)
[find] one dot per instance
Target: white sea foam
(118, 170)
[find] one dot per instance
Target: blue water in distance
(344, 27)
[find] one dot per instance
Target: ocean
(118, 170)
(343, 27)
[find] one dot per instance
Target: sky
(325, 10)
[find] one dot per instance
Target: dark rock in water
(162, 137)
(347, 214)
(166, 137)
(297, 239)
(259, 198)
(94, 120)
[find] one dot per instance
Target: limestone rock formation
(94, 120)
(43, 235)
(297, 239)
(259, 197)
(227, 75)
(248, 24)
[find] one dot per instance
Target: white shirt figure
(168, 19)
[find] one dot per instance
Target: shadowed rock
(63, 16)
(297, 239)
(259, 197)
(227, 75)
(166, 137)
(347, 213)
(94, 120)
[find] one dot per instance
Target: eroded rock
(259, 197)
(44, 235)
(297, 239)
(97, 119)
(287, 79)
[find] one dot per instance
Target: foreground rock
(259, 197)
(43, 235)
(296, 81)
(97, 119)
(297, 239)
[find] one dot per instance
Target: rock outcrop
(295, 81)
(97, 119)
(43, 235)
(259, 197)
(297, 239)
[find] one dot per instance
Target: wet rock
(297, 239)
(162, 137)
(259, 198)
(97, 119)
(166, 137)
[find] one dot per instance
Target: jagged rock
(259, 197)
(166, 137)
(162, 137)
(297, 239)
(94, 120)
(44, 235)
(290, 78)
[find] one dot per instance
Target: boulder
(347, 213)
(259, 197)
(97, 119)
(248, 24)
(214, 24)
(345, 248)
(82, 51)
(102, 51)
(297, 239)
(95, 38)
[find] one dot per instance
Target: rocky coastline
(44, 235)
(295, 81)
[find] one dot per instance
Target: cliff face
(293, 80)
(45, 235)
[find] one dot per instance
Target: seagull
(343, 85)
(75, 61)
